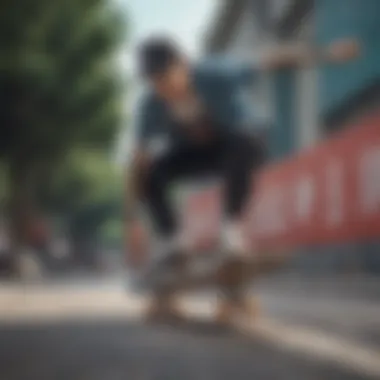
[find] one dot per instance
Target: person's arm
(298, 54)
(244, 71)
(139, 154)
(135, 172)
(134, 176)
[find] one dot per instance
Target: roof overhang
(224, 25)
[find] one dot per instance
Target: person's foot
(168, 265)
(228, 310)
(233, 241)
(248, 308)
(164, 309)
(170, 254)
(225, 313)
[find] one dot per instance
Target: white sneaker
(233, 240)
(166, 252)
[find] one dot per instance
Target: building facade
(302, 106)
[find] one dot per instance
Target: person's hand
(142, 160)
(136, 245)
(135, 176)
(344, 50)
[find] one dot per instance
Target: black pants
(232, 157)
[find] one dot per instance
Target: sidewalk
(349, 308)
(366, 287)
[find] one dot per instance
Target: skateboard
(229, 275)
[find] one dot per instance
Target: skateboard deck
(199, 271)
(229, 276)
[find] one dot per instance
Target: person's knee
(246, 150)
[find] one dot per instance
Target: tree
(59, 89)
(3, 186)
(87, 194)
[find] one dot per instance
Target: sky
(186, 20)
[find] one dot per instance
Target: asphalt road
(117, 345)
(347, 307)
(119, 350)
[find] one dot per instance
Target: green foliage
(58, 75)
(3, 186)
(61, 102)
(112, 232)
(85, 176)
(86, 191)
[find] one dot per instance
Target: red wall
(326, 195)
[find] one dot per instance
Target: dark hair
(156, 54)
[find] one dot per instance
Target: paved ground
(343, 307)
(84, 329)
(114, 349)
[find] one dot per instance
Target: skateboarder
(196, 119)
